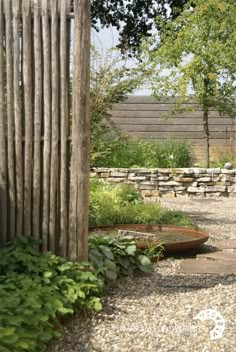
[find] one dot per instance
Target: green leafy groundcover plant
(113, 257)
(36, 289)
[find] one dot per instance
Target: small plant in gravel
(113, 258)
(154, 252)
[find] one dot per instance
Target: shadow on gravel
(201, 217)
(77, 332)
(172, 284)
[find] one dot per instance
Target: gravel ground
(156, 312)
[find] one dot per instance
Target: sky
(104, 40)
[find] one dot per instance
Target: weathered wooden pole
(38, 108)
(28, 112)
(64, 126)
(79, 177)
(3, 146)
(10, 120)
(47, 121)
(18, 119)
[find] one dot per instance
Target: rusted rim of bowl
(196, 237)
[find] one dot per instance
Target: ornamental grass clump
(123, 204)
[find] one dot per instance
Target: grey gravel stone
(155, 313)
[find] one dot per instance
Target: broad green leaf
(97, 306)
(7, 331)
(107, 252)
(145, 261)
(111, 275)
(131, 249)
(109, 265)
(145, 268)
(47, 274)
(23, 345)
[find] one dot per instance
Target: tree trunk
(206, 136)
(205, 106)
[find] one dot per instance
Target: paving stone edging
(155, 183)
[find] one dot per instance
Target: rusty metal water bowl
(173, 238)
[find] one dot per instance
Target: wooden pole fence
(44, 169)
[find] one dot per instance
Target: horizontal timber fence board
(145, 117)
(40, 157)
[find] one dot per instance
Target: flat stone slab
(228, 257)
(226, 244)
(206, 266)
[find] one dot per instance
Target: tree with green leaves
(193, 59)
(132, 18)
(111, 81)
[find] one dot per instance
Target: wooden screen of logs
(44, 123)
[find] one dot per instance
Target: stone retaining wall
(173, 182)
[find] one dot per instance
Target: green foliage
(196, 46)
(222, 158)
(137, 18)
(113, 258)
(108, 205)
(111, 81)
(154, 252)
(36, 289)
(193, 58)
(134, 152)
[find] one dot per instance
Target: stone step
(218, 256)
(207, 266)
(226, 244)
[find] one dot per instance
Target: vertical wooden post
(47, 122)
(79, 183)
(64, 118)
(10, 118)
(18, 120)
(38, 100)
(3, 149)
(55, 127)
(28, 112)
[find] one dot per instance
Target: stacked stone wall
(173, 182)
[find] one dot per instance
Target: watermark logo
(211, 314)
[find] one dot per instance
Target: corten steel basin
(194, 237)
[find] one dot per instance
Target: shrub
(111, 82)
(134, 152)
(35, 290)
(38, 289)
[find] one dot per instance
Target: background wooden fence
(142, 116)
(38, 196)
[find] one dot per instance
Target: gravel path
(155, 312)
